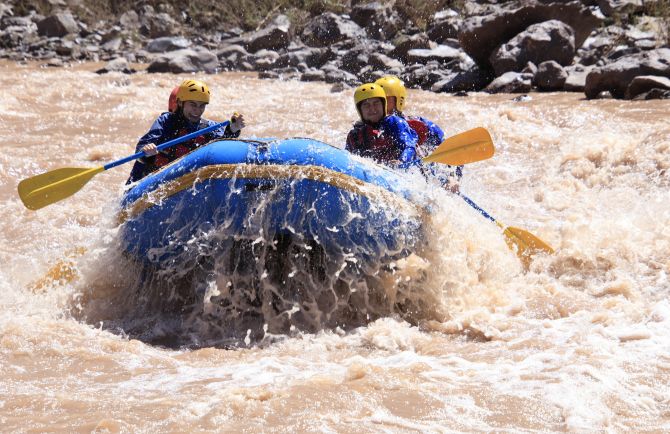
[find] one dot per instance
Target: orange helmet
(172, 101)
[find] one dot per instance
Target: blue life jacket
(430, 137)
(167, 127)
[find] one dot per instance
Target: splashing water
(459, 338)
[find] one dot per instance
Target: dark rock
(5, 10)
(645, 83)
(265, 60)
(473, 79)
(494, 25)
(10, 21)
(112, 45)
(18, 36)
(550, 76)
(384, 62)
(317, 57)
(232, 49)
(444, 25)
(522, 98)
(510, 82)
(550, 40)
(620, 7)
(379, 21)
(328, 28)
(313, 75)
(58, 25)
(272, 75)
(273, 37)
(341, 76)
(55, 63)
(355, 59)
(530, 68)
(443, 54)
(404, 43)
(120, 64)
(129, 20)
(168, 43)
(620, 51)
(154, 25)
(616, 77)
(187, 60)
(338, 87)
(653, 94)
(576, 79)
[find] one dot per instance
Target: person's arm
(231, 131)
(436, 137)
(435, 133)
(149, 140)
(155, 133)
(404, 137)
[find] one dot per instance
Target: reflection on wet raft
(237, 253)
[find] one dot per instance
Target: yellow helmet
(193, 90)
(393, 86)
(367, 91)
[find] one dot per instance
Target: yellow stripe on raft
(270, 172)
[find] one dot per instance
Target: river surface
(578, 343)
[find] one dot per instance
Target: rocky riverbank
(603, 48)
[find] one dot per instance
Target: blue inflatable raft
(260, 189)
(244, 227)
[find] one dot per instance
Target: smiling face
(372, 110)
(193, 110)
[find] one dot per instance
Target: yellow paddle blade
(64, 271)
(50, 187)
(468, 147)
(525, 244)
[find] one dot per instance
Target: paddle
(51, 187)
(467, 147)
(518, 240)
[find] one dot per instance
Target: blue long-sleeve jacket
(430, 137)
(169, 126)
(384, 141)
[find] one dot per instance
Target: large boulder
(511, 82)
(273, 37)
(156, 25)
(380, 21)
(617, 76)
(328, 28)
(471, 80)
(620, 7)
(444, 25)
(168, 43)
(576, 77)
(57, 25)
(404, 43)
(187, 60)
(645, 83)
(481, 34)
(551, 40)
(442, 54)
(550, 76)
